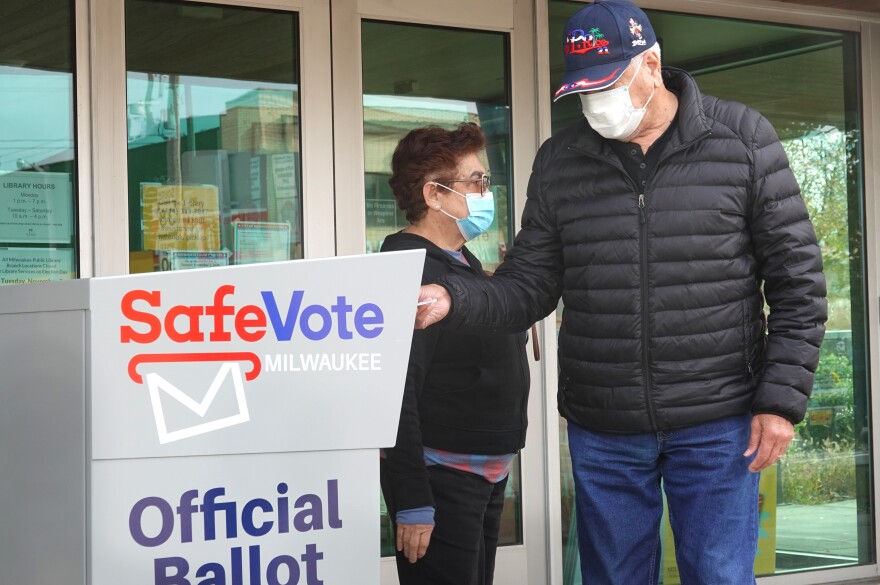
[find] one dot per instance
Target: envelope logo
(228, 374)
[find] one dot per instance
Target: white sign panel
(291, 356)
(35, 207)
(260, 519)
(29, 265)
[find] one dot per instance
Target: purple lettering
(135, 521)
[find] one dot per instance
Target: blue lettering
(333, 519)
(210, 506)
(247, 517)
(311, 558)
(305, 323)
(135, 520)
(368, 314)
(311, 517)
(283, 513)
(283, 329)
(218, 574)
(236, 560)
(342, 309)
(316, 321)
(152, 523)
(280, 570)
(254, 563)
(161, 566)
(292, 570)
(185, 510)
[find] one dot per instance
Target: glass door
(448, 76)
(442, 70)
(214, 165)
(38, 162)
(205, 128)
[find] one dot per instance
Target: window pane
(37, 158)
(444, 77)
(213, 135)
(806, 82)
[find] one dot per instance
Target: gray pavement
(825, 529)
(821, 536)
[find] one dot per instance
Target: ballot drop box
(218, 426)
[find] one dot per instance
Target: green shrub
(835, 373)
(818, 477)
(833, 390)
(820, 465)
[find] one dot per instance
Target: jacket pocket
(747, 341)
(732, 220)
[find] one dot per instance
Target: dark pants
(465, 537)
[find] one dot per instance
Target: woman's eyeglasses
(484, 180)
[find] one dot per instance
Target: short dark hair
(426, 154)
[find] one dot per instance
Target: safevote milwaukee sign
(292, 356)
(236, 419)
(219, 426)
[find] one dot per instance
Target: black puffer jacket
(464, 393)
(663, 324)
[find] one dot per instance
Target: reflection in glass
(443, 77)
(37, 158)
(213, 136)
(805, 81)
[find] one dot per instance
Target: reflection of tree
(820, 159)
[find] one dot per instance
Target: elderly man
(663, 221)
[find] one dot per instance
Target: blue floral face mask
(481, 212)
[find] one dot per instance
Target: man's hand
(413, 540)
(432, 311)
(770, 437)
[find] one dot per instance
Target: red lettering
(129, 334)
(218, 311)
(183, 323)
(193, 333)
(249, 317)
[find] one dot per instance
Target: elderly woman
(464, 408)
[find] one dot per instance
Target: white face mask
(611, 113)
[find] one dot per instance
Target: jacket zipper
(643, 277)
(643, 265)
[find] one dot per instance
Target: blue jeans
(712, 498)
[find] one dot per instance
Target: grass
(818, 476)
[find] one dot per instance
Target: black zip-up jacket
(663, 325)
(464, 393)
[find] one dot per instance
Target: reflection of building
(262, 120)
(249, 152)
(384, 127)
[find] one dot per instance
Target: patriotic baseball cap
(600, 40)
